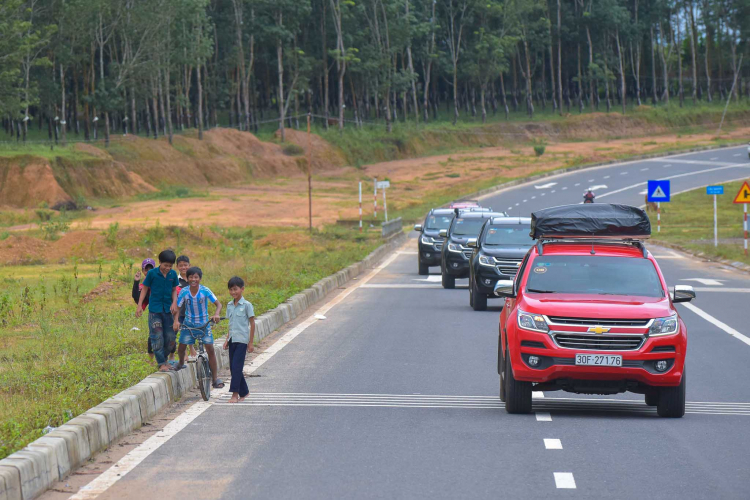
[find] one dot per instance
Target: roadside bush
(52, 229)
(110, 235)
(539, 149)
(154, 234)
(4, 235)
(44, 214)
(293, 150)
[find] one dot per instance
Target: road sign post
(658, 192)
(384, 185)
(360, 206)
(375, 196)
(714, 191)
(743, 197)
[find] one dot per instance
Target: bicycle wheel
(204, 379)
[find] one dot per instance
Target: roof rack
(635, 242)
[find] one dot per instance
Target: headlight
(453, 247)
(428, 240)
(664, 326)
(487, 260)
(533, 322)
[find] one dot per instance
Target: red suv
(589, 312)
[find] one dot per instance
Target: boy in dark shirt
(146, 266)
(161, 285)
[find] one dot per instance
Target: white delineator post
(385, 205)
(716, 226)
(360, 206)
(658, 217)
(744, 227)
(375, 196)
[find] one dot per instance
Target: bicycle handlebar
(203, 326)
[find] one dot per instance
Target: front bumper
(456, 264)
(557, 365)
(430, 254)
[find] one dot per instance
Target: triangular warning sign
(744, 195)
(658, 193)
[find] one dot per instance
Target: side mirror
(683, 293)
(504, 288)
(443, 233)
(418, 227)
(472, 243)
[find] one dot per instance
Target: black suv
(430, 242)
(497, 253)
(454, 259)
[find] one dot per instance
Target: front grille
(558, 320)
(467, 254)
(599, 342)
(438, 246)
(663, 348)
(533, 343)
(508, 267)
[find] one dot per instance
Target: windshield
(467, 227)
(438, 221)
(508, 235)
(594, 275)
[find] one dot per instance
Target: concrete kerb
(29, 472)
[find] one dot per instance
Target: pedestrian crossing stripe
(658, 193)
(744, 195)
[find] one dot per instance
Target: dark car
(454, 258)
(497, 254)
(430, 242)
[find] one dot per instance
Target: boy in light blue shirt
(239, 341)
(195, 299)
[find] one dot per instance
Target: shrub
(539, 149)
(44, 214)
(110, 235)
(52, 229)
(293, 150)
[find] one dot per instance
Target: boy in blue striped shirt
(195, 299)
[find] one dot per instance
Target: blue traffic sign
(714, 189)
(658, 191)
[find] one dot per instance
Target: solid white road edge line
(553, 444)
(565, 480)
(731, 331)
(543, 417)
(136, 456)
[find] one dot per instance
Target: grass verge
(68, 335)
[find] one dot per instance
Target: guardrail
(392, 227)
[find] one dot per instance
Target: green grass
(62, 352)
(172, 192)
(13, 149)
(688, 221)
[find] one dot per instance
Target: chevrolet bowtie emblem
(598, 329)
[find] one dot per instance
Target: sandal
(219, 384)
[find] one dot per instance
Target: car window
(594, 275)
(438, 221)
(508, 235)
(467, 227)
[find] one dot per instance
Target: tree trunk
(622, 70)
(692, 50)
(63, 125)
(529, 103)
(654, 97)
(591, 67)
(200, 101)
(326, 104)
(502, 92)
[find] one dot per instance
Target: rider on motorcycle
(589, 196)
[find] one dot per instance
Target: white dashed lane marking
(714, 158)
(623, 173)
(565, 480)
(553, 444)
(543, 416)
(566, 187)
(644, 169)
(590, 180)
(667, 166)
(533, 197)
(738, 154)
(577, 184)
(606, 176)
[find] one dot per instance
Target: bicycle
(202, 366)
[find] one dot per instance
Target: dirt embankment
(133, 165)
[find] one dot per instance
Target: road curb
(740, 266)
(566, 170)
(29, 472)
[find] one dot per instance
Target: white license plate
(598, 360)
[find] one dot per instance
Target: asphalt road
(395, 393)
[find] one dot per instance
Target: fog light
(533, 360)
(428, 255)
(488, 282)
(661, 366)
(455, 264)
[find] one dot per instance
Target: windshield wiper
(532, 290)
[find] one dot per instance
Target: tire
(672, 400)
(517, 394)
(479, 302)
(424, 269)
(203, 373)
(471, 294)
(501, 369)
(449, 282)
(652, 398)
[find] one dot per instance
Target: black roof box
(590, 220)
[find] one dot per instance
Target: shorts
(189, 337)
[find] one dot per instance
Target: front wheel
(449, 282)
(203, 373)
(517, 394)
(652, 398)
(479, 302)
(672, 400)
(424, 269)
